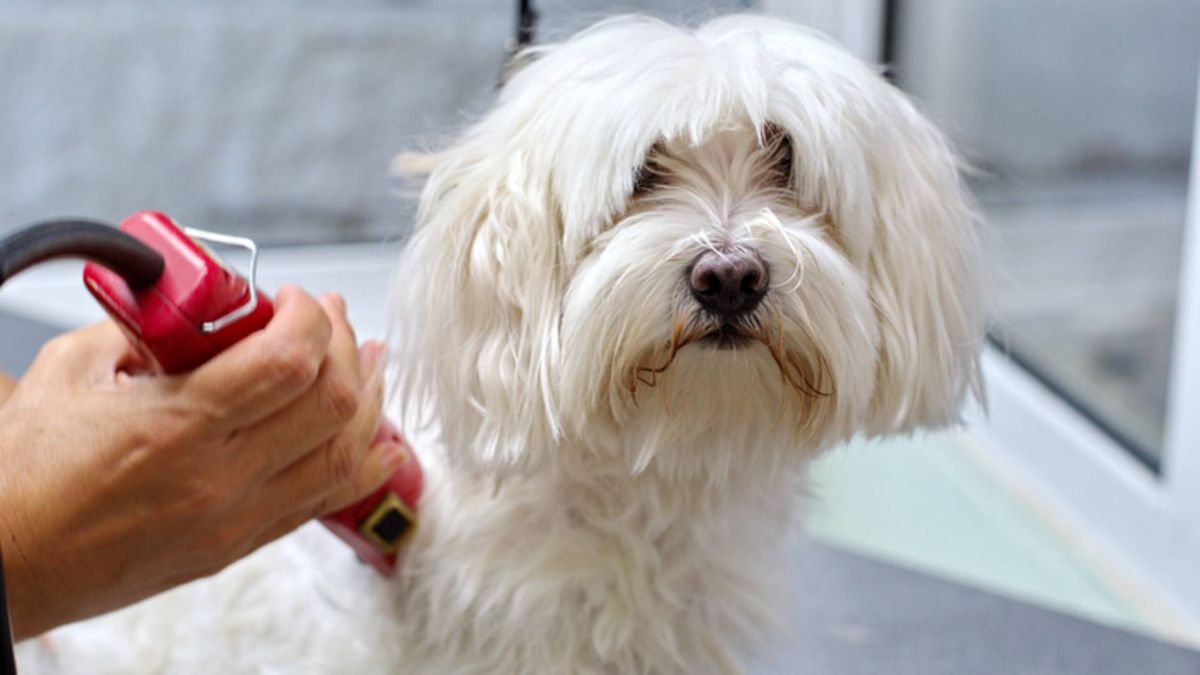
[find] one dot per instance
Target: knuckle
(341, 460)
(57, 347)
(293, 365)
(314, 316)
(341, 398)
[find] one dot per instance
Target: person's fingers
(337, 398)
(343, 340)
(383, 460)
(93, 353)
(380, 463)
(265, 371)
(339, 465)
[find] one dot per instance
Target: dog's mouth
(806, 373)
(726, 336)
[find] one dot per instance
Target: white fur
(605, 493)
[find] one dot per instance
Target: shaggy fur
(607, 483)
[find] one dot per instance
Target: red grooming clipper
(199, 307)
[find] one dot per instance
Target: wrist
(28, 605)
(7, 663)
(14, 611)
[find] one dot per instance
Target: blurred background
(278, 120)
(1079, 116)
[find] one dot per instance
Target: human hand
(117, 486)
(7, 384)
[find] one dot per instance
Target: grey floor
(861, 616)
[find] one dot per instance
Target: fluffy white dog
(665, 271)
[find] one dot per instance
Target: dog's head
(662, 238)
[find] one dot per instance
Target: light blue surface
(925, 503)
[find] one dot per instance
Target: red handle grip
(177, 324)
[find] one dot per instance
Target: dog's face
(661, 241)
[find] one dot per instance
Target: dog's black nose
(728, 284)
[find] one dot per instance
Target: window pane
(273, 119)
(1079, 115)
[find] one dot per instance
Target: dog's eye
(651, 175)
(648, 177)
(777, 147)
(781, 158)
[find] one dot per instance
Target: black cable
(888, 48)
(92, 240)
(8, 660)
(526, 23)
(515, 45)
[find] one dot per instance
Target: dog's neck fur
(638, 569)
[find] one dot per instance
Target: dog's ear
(477, 303)
(922, 265)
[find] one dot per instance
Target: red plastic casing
(352, 524)
(164, 322)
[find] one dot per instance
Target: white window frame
(1148, 523)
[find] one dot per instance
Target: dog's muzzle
(728, 285)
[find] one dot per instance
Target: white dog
(664, 272)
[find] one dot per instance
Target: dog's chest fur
(587, 572)
(553, 572)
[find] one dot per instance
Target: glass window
(1078, 116)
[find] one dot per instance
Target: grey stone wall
(272, 118)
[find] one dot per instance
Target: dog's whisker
(765, 338)
(631, 387)
(706, 241)
(773, 346)
(682, 334)
(795, 280)
(803, 367)
(665, 398)
(781, 361)
(677, 343)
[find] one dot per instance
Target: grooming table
(857, 616)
